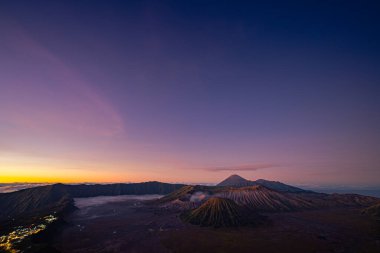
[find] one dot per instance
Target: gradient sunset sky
(190, 91)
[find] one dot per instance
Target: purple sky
(189, 91)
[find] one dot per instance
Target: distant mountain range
(238, 181)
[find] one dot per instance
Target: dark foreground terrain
(238, 216)
(138, 226)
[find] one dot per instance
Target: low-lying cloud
(100, 200)
(5, 188)
(198, 196)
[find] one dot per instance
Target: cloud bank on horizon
(5, 188)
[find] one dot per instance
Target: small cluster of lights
(50, 219)
(9, 241)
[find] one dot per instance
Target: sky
(190, 91)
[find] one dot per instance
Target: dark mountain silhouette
(26, 207)
(220, 212)
(82, 191)
(278, 186)
(42, 200)
(373, 210)
(238, 181)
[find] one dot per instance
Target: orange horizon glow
(67, 176)
(35, 169)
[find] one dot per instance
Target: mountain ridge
(238, 181)
(58, 198)
(221, 212)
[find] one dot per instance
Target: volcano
(260, 198)
(238, 181)
(220, 212)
